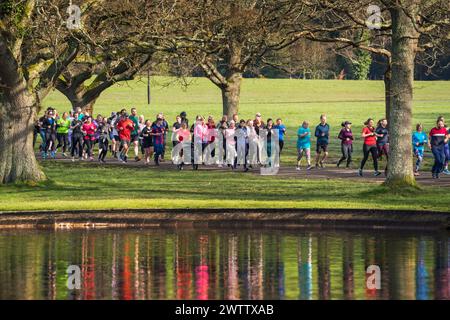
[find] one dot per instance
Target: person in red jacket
(125, 126)
(438, 140)
(370, 146)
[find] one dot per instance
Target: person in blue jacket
(419, 140)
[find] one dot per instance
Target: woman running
(88, 130)
(103, 131)
(62, 133)
(49, 124)
(438, 140)
(231, 145)
(369, 147)
(77, 137)
(346, 137)
(184, 138)
(419, 140)
(147, 141)
(383, 140)
(304, 145)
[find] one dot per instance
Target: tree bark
(387, 91)
(231, 94)
(17, 117)
(404, 45)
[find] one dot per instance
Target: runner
(147, 141)
(383, 141)
(346, 137)
(103, 131)
(184, 137)
(125, 126)
(62, 133)
(88, 129)
(158, 138)
(135, 133)
(114, 134)
(370, 146)
(242, 144)
(49, 124)
(419, 140)
(322, 134)
(438, 140)
(231, 145)
(281, 133)
(446, 150)
(77, 137)
(304, 145)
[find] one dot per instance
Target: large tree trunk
(17, 116)
(404, 45)
(86, 106)
(231, 94)
(387, 91)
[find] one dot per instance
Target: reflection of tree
(442, 264)
(323, 267)
(347, 253)
(232, 288)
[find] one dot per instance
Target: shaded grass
(89, 186)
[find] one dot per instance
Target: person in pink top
(88, 130)
(231, 145)
(200, 140)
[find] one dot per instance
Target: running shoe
(446, 171)
(360, 172)
(309, 168)
(297, 168)
(377, 173)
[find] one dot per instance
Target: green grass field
(90, 186)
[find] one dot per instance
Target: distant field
(292, 100)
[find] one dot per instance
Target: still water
(223, 264)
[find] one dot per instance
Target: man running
(125, 126)
(135, 133)
(322, 134)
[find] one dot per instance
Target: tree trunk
(404, 45)
(17, 117)
(387, 91)
(86, 106)
(231, 94)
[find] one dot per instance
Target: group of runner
(77, 132)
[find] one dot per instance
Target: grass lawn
(89, 186)
(92, 186)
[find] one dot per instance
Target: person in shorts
(304, 144)
(322, 134)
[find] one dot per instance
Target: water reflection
(220, 264)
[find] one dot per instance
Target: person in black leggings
(77, 138)
(370, 146)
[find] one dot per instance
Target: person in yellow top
(62, 132)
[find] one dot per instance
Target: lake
(188, 263)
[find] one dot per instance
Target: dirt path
(329, 172)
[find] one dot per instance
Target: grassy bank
(91, 186)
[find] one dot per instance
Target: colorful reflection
(223, 264)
